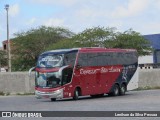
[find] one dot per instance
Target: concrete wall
(20, 82)
(149, 78)
(16, 82)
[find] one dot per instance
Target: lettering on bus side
(125, 71)
(101, 70)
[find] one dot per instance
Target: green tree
(107, 37)
(27, 46)
(93, 37)
(3, 58)
(130, 40)
(62, 44)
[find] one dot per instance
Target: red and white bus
(78, 72)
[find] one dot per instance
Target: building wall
(145, 59)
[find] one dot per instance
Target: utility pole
(8, 41)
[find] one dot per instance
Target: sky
(76, 15)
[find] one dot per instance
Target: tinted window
(129, 58)
(95, 59)
(107, 58)
(82, 59)
(92, 59)
(69, 59)
(102, 59)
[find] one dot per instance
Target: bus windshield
(48, 80)
(48, 61)
(51, 79)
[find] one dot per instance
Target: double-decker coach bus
(78, 72)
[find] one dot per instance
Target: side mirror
(30, 70)
(60, 71)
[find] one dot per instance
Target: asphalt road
(148, 100)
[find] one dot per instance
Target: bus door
(89, 72)
(83, 79)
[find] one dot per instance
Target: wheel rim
(116, 91)
(123, 89)
(76, 93)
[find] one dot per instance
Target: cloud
(157, 4)
(54, 22)
(56, 2)
(118, 24)
(14, 10)
(91, 13)
(31, 21)
(154, 26)
(133, 8)
(85, 13)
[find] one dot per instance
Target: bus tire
(53, 99)
(115, 91)
(123, 89)
(76, 94)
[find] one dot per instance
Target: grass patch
(147, 88)
(25, 94)
(8, 93)
(4, 94)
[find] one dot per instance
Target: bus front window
(48, 80)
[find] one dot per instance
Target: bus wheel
(115, 91)
(122, 89)
(53, 99)
(76, 94)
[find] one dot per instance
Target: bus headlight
(58, 91)
(54, 94)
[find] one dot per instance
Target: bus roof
(60, 51)
(98, 49)
(88, 49)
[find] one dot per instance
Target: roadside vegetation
(23, 94)
(20, 94)
(4, 93)
(147, 88)
(28, 45)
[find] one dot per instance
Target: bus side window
(110, 58)
(120, 58)
(135, 57)
(92, 59)
(114, 58)
(100, 59)
(69, 59)
(130, 58)
(83, 59)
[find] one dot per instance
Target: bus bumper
(54, 94)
